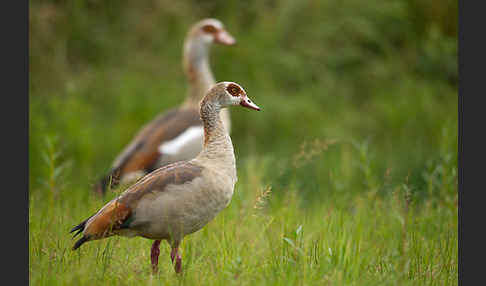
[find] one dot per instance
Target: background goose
(177, 134)
(180, 198)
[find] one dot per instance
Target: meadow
(348, 175)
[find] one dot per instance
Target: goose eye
(209, 29)
(233, 90)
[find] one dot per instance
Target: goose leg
(174, 254)
(154, 255)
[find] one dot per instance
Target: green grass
(267, 235)
(262, 240)
(367, 241)
(348, 175)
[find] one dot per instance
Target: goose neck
(197, 69)
(217, 143)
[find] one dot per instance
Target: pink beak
(246, 102)
(224, 38)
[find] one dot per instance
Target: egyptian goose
(178, 133)
(180, 198)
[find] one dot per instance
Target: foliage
(347, 176)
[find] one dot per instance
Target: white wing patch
(184, 143)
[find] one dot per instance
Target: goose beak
(246, 102)
(224, 38)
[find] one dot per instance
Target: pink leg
(175, 254)
(154, 255)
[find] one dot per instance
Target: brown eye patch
(209, 29)
(234, 90)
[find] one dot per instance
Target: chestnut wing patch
(143, 152)
(141, 138)
(109, 219)
(134, 157)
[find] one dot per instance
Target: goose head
(228, 93)
(196, 55)
(210, 31)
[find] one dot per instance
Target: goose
(178, 133)
(180, 198)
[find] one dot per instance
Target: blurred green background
(377, 79)
(348, 175)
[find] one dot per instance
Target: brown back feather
(176, 173)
